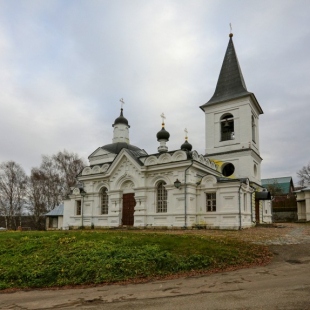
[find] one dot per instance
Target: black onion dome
(163, 134)
(186, 146)
(121, 120)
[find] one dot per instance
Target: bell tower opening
(227, 127)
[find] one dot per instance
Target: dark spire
(230, 84)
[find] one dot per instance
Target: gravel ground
(276, 234)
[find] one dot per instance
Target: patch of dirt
(277, 234)
(291, 253)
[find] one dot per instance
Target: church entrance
(257, 211)
(129, 203)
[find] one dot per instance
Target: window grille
(161, 198)
(78, 207)
(211, 202)
(104, 201)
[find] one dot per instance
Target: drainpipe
(83, 194)
(185, 194)
(252, 201)
(240, 225)
(82, 211)
(252, 204)
(271, 209)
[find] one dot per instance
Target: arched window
(104, 201)
(161, 198)
(253, 128)
(227, 127)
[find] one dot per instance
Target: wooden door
(129, 203)
(257, 211)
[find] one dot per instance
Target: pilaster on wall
(115, 207)
(140, 209)
(307, 206)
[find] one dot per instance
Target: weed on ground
(49, 259)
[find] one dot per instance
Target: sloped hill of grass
(46, 259)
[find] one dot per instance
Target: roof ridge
(277, 178)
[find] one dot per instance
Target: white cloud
(64, 66)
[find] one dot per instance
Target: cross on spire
(163, 117)
(231, 34)
(186, 132)
(122, 102)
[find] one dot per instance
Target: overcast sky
(64, 65)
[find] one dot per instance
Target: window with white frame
(161, 198)
(104, 201)
(211, 202)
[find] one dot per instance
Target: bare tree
(304, 175)
(69, 166)
(51, 182)
(13, 183)
(44, 191)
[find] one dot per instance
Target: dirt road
(283, 284)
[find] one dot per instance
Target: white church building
(125, 186)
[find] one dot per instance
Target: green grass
(45, 259)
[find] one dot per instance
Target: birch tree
(13, 184)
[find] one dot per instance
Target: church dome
(121, 120)
(163, 134)
(186, 146)
(115, 148)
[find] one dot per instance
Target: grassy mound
(45, 259)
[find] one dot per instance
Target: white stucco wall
(127, 176)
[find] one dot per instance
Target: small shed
(283, 198)
(303, 204)
(54, 218)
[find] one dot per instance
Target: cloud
(65, 65)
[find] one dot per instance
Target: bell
(226, 125)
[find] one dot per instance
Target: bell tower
(232, 122)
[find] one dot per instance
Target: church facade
(125, 186)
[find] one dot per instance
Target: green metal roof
(284, 183)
